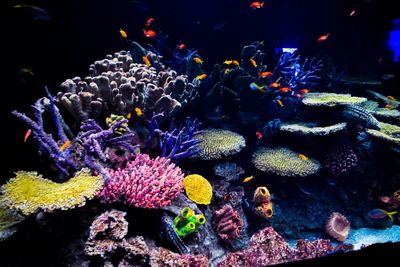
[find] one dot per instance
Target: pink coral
(228, 223)
(337, 226)
(144, 183)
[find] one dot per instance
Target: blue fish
(37, 13)
(380, 214)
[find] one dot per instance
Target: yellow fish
(228, 62)
(280, 103)
(146, 61)
(248, 179)
(123, 33)
(235, 62)
(253, 62)
(198, 60)
(303, 157)
(129, 116)
(201, 76)
(138, 112)
(65, 145)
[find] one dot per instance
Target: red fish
(259, 135)
(149, 21)
(265, 74)
(181, 46)
(28, 133)
(149, 33)
(285, 90)
(299, 96)
(275, 85)
(304, 91)
(323, 38)
(352, 13)
(256, 5)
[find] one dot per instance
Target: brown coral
(337, 226)
(228, 223)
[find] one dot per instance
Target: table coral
(331, 99)
(198, 189)
(359, 116)
(388, 132)
(302, 128)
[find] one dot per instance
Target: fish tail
(390, 214)
(262, 4)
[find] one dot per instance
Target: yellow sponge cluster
(218, 143)
(28, 192)
(284, 162)
(198, 189)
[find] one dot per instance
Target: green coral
(187, 222)
(218, 143)
(302, 128)
(284, 162)
(388, 132)
(331, 99)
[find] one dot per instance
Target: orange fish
(65, 145)
(27, 134)
(275, 85)
(253, 62)
(149, 33)
(256, 5)
(181, 46)
(198, 60)
(201, 76)
(303, 157)
(149, 21)
(280, 103)
(391, 98)
(227, 197)
(123, 33)
(352, 13)
(285, 90)
(129, 115)
(323, 38)
(304, 91)
(248, 179)
(389, 106)
(146, 60)
(138, 112)
(259, 135)
(265, 74)
(235, 62)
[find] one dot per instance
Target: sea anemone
(337, 226)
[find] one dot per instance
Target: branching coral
(340, 160)
(337, 226)
(284, 162)
(302, 128)
(198, 189)
(218, 143)
(331, 99)
(188, 222)
(388, 132)
(144, 183)
(228, 223)
(29, 192)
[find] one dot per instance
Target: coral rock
(337, 226)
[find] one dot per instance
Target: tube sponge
(187, 222)
(198, 189)
(29, 192)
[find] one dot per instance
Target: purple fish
(380, 214)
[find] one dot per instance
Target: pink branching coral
(337, 226)
(144, 183)
(228, 223)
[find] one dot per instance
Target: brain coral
(388, 132)
(198, 189)
(28, 192)
(284, 162)
(218, 143)
(331, 99)
(302, 128)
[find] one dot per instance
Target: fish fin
(390, 214)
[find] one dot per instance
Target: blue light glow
(394, 39)
(289, 50)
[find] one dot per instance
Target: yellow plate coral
(388, 132)
(331, 99)
(28, 192)
(198, 189)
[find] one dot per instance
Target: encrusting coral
(187, 222)
(339, 160)
(302, 128)
(198, 189)
(29, 192)
(228, 223)
(388, 132)
(337, 226)
(331, 99)
(284, 162)
(218, 143)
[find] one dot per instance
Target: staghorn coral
(229, 171)
(198, 189)
(262, 204)
(337, 226)
(8, 221)
(144, 183)
(218, 143)
(227, 223)
(302, 128)
(357, 115)
(388, 132)
(330, 99)
(188, 222)
(29, 192)
(284, 162)
(339, 160)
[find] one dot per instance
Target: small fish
(149, 21)
(201, 76)
(227, 197)
(279, 103)
(146, 60)
(304, 91)
(391, 98)
(149, 33)
(302, 157)
(265, 74)
(299, 96)
(129, 116)
(275, 85)
(235, 62)
(198, 60)
(37, 13)
(138, 112)
(231, 62)
(255, 87)
(259, 135)
(258, 43)
(256, 5)
(65, 145)
(284, 90)
(352, 13)
(323, 38)
(27, 134)
(123, 33)
(248, 179)
(181, 46)
(380, 214)
(389, 106)
(388, 76)
(253, 62)
(385, 199)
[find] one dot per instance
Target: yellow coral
(29, 192)
(198, 189)
(388, 132)
(218, 143)
(113, 119)
(331, 99)
(284, 162)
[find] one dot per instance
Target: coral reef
(228, 223)
(388, 132)
(229, 171)
(330, 99)
(386, 114)
(187, 222)
(383, 99)
(113, 119)
(302, 128)
(198, 189)
(357, 115)
(29, 192)
(262, 204)
(339, 160)
(144, 183)
(8, 221)
(284, 162)
(218, 143)
(337, 226)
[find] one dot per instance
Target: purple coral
(228, 223)
(144, 183)
(340, 160)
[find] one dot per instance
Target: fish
(138, 112)
(231, 62)
(65, 145)
(380, 214)
(255, 87)
(304, 91)
(149, 33)
(253, 62)
(123, 33)
(129, 115)
(149, 21)
(201, 76)
(323, 38)
(385, 199)
(275, 85)
(256, 5)
(198, 60)
(259, 135)
(279, 102)
(27, 134)
(352, 13)
(284, 90)
(146, 60)
(258, 43)
(299, 96)
(302, 157)
(181, 46)
(389, 106)
(388, 76)
(36, 12)
(265, 74)
(248, 179)
(227, 197)
(391, 98)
